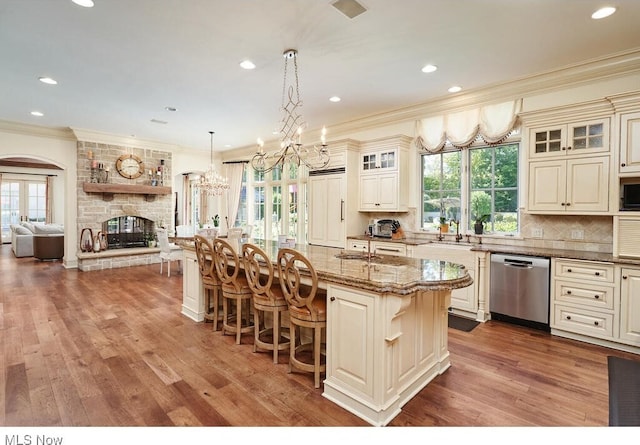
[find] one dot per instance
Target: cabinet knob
(597, 297)
(568, 204)
(624, 277)
(568, 317)
(595, 323)
(332, 298)
(569, 270)
(562, 203)
(623, 165)
(597, 274)
(568, 292)
(569, 148)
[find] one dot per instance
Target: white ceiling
(122, 62)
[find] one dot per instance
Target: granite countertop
(383, 273)
(515, 250)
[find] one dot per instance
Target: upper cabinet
(576, 138)
(384, 183)
(569, 159)
(630, 143)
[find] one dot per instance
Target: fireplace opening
(126, 232)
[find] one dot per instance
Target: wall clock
(130, 166)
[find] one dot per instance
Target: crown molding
(125, 141)
(36, 130)
(611, 66)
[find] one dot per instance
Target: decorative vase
(86, 240)
(444, 228)
(478, 227)
(96, 244)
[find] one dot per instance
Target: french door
(21, 200)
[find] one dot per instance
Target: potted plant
(478, 225)
(444, 227)
(151, 239)
(216, 221)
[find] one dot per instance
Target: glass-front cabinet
(570, 139)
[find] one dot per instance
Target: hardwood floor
(110, 348)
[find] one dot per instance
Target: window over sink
(467, 185)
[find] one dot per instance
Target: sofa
(23, 237)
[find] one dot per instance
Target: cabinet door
(630, 306)
(547, 185)
(369, 192)
(630, 143)
(588, 185)
(326, 213)
(547, 140)
(192, 291)
(350, 338)
(388, 191)
(588, 137)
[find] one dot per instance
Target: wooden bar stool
(267, 298)
(307, 308)
(210, 281)
(235, 289)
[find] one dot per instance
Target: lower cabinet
(379, 247)
(630, 305)
(594, 301)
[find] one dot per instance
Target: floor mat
(624, 392)
(461, 323)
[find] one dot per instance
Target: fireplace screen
(128, 231)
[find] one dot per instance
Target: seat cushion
(303, 313)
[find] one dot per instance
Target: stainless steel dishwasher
(519, 290)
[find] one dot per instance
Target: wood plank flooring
(110, 348)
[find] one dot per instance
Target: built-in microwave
(630, 199)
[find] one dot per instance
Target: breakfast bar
(386, 324)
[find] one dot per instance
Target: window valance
(493, 123)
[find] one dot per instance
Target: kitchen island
(386, 324)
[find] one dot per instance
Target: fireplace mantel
(108, 190)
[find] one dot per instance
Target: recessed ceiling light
(429, 68)
(335, 99)
(171, 109)
(37, 113)
(247, 64)
(603, 12)
(85, 3)
(454, 89)
(48, 80)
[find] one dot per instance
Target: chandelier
(211, 183)
(292, 151)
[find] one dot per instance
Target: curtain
(234, 174)
(493, 123)
(49, 200)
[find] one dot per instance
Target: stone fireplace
(126, 232)
(125, 210)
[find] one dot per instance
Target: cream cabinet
(333, 209)
(384, 175)
(464, 301)
(630, 305)
(583, 298)
(629, 143)
(577, 186)
(378, 247)
(569, 139)
(192, 290)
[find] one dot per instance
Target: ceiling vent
(350, 8)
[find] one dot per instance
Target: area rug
(461, 323)
(624, 391)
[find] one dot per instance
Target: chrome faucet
(458, 234)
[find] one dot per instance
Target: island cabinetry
(384, 184)
(192, 290)
(630, 305)
(384, 348)
(584, 299)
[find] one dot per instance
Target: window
(470, 184)
(279, 203)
